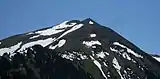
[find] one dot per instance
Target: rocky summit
(75, 50)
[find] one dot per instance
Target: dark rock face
(44, 64)
(74, 50)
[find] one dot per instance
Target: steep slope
(81, 50)
(157, 57)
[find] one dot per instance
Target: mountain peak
(89, 21)
(75, 50)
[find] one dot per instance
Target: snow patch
(99, 66)
(117, 66)
(29, 33)
(51, 31)
(71, 30)
(114, 50)
(10, 49)
(93, 46)
(69, 56)
(0, 42)
(105, 64)
(90, 22)
(90, 43)
(79, 54)
(44, 43)
(106, 53)
(92, 35)
(102, 54)
(73, 23)
(74, 55)
(56, 29)
(125, 55)
(52, 47)
(60, 44)
(157, 58)
(128, 50)
(34, 36)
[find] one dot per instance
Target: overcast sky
(136, 20)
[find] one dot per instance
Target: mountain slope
(78, 49)
(157, 57)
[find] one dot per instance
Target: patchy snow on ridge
(114, 50)
(125, 55)
(157, 58)
(10, 49)
(74, 55)
(34, 36)
(69, 56)
(92, 35)
(117, 67)
(90, 43)
(99, 66)
(60, 44)
(53, 47)
(75, 27)
(29, 33)
(79, 54)
(128, 50)
(122, 52)
(56, 29)
(102, 54)
(44, 43)
(90, 22)
(49, 32)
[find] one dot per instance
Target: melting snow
(80, 54)
(125, 55)
(49, 31)
(93, 46)
(83, 57)
(106, 53)
(90, 22)
(52, 47)
(34, 36)
(56, 29)
(69, 56)
(73, 23)
(102, 54)
(71, 30)
(40, 42)
(74, 55)
(157, 58)
(29, 33)
(114, 50)
(105, 64)
(90, 43)
(99, 66)
(60, 44)
(117, 66)
(92, 35)
(10, 49)
(128, 50)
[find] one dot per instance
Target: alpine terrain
(75, 50)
